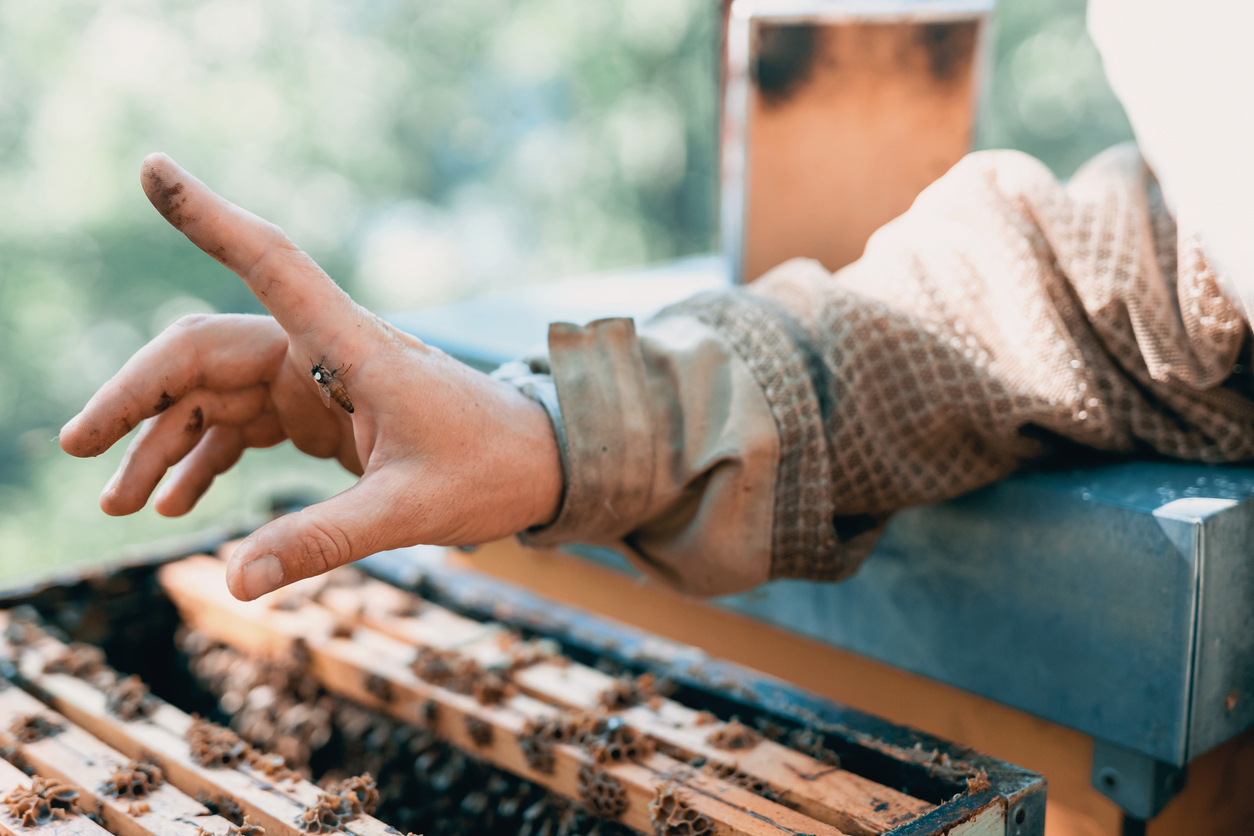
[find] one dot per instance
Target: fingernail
(265, 574)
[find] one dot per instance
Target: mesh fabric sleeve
(769, 432)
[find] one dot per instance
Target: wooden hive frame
(92, 741)
(346, 666)
(358, 637)
(383, 644)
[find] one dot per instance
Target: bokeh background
(421, 151)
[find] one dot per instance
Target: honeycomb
(734, 735)
(578, 727)
(272, 765)
(248, 828)
(490, 689)
(608, 739)
(626, 692)
(213, 746)
(480, 731)
(327, 815)
(732, 775)
(378, 687)
(359, 792)
(672, 816)
(619, 743)
(84, 661)
(536, 741)
(525, 653)
(601, 792)
(134, 780)
(129, 699)
(447, 669)
(14, 755)
(343, 801)
(978, 782)
(41, 802)
(30, 728)
(222, 805)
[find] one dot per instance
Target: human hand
(446, 454)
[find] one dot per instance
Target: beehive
(345, 704)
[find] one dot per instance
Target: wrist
(534, 386)
(545, 463)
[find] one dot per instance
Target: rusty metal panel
(836, 115)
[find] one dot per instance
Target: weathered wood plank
(10, 779)
(344, 666)
(75, 757)
(991, 821)
(832, 795)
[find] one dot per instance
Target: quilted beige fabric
(1001, 315)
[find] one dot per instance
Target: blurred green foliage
(421, 151)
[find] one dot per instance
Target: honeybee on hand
(330, 385)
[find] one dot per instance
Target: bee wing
(325, 392)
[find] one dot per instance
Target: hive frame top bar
(1016, 796)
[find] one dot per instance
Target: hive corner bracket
(1141, 785)
(1181, 519)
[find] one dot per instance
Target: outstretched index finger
(304, 299)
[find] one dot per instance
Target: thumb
(314, 540)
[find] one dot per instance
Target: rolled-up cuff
(785, 363)
(532, 378)
(607, 435)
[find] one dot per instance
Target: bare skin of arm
(446, 455)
